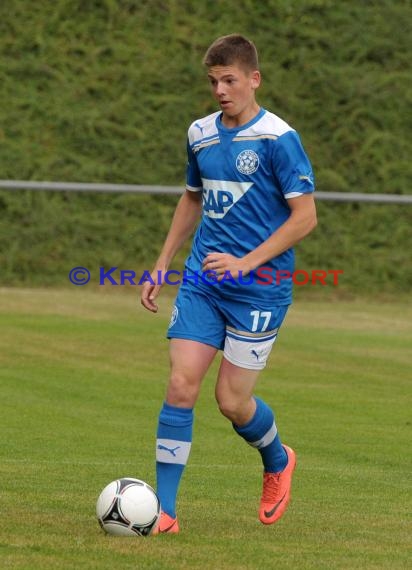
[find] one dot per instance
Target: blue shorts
(244, 330)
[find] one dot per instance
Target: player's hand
(224, 263)
(150, 290)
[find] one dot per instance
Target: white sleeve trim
(293, 195)
(194, 188)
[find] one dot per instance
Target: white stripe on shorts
(172, 451)
(245, 354)
(266, 439)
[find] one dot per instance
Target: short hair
(230, 50)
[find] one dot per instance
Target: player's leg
(254, 420)
(195, 330)
(251, 417)
(189, 363)
(247, 348)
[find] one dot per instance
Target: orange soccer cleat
(167, 525)
(276, 491)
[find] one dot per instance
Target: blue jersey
(246, 175)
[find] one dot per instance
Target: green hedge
(104, 90)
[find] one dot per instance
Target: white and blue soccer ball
(128, 507)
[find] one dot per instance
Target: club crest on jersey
(247, 162)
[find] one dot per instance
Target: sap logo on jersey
(220, 195)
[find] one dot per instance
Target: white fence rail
(146, 189)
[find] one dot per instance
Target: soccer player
(250, 183)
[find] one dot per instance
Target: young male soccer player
(250, 181)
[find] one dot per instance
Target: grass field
(82, 378)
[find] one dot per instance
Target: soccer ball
(128, 507)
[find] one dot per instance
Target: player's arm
(184, 220)
(301, 222)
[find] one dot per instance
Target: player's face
(234, 90)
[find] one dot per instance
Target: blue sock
(174, 439)
(261, 432)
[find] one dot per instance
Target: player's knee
(229, 408)
(181, 391)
